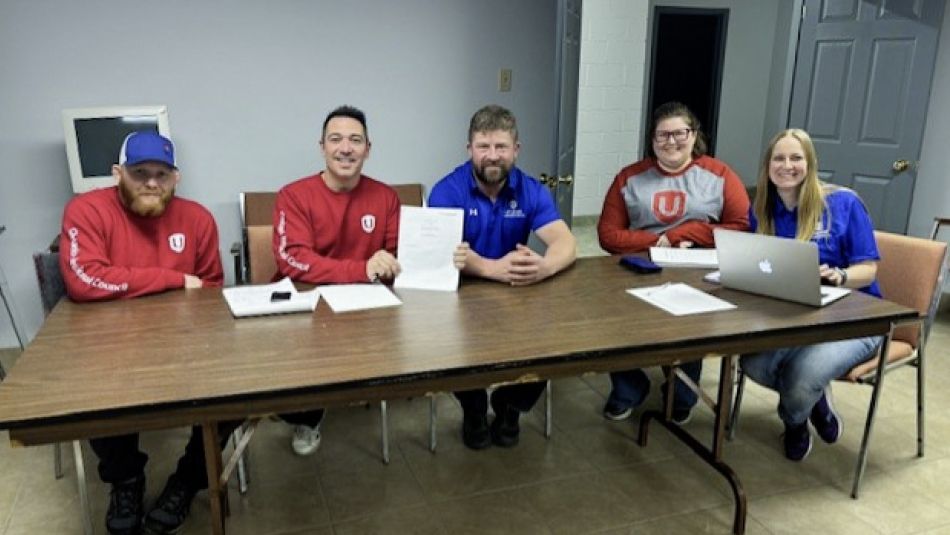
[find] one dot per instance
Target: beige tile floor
(589, 477)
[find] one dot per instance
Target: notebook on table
(776, 267)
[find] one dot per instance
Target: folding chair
(910, 273)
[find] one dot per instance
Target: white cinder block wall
(610, 97)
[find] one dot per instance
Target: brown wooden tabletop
(180, 357)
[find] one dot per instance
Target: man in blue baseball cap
(136, 239)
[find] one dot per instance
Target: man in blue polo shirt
(502, 206)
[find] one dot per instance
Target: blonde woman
(792, 203)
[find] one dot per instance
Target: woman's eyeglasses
(679, 136)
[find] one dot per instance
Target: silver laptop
(777, 267)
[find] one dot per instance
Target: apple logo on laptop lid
(765, 266)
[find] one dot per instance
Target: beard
(145, 205)
(492, 174)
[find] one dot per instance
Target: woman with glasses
(792, 203)
(672, 198)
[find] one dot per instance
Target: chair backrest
(911, 273)
(257, 212)
(50, 279)
(409, 194)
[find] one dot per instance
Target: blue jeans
(800, 374)
(630, 387)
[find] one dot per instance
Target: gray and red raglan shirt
(645, 202)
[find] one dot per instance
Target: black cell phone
(639, 265)
(279, 296)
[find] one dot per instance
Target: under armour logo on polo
(177, 242)
(473, 212)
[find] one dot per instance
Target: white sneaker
(306, 440)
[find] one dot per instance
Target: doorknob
(567, 180)
(900, 166)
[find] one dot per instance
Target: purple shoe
(797, 440)
(823, 416)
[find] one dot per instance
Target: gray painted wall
(932, 190)
(745, 81)
(247, 84)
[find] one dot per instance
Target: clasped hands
(520, 267)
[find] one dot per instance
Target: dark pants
(120, 458)
(521, 396)
(307, 418)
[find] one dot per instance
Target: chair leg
(432, 422)
(242, 472)
(734, 417)
(58, 460)
(869, 423)
(920, 399)
(83, 491)
(547, 411)
(384, 429)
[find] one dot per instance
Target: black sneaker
(681, 415)
(797, 441)
(172, 508)
(616, 411)
(475, 433)
(505, 428)
(124, 516)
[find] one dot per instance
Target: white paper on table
(680, 299)
(677, 257)
(427, 239)
(348, 297)
(255, 300)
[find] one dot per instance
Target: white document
(680, 299)
(713, 277)
(256, 300)
(830, 294)
(347, 297)
(427, 239)
(676, 257)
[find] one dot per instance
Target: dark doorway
(689, 46)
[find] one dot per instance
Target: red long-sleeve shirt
(323, 236)
(644, 202)
(108, 252)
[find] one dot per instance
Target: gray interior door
(861, 86)
(568, 61)
(560, 179)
